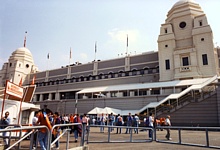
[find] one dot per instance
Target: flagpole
(25, 39)
(48, 59)
(70, 56)
(95, 49)
(127, 46)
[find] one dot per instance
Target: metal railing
(207, 130)
(130, 129)
(21, 138)
(68, 134)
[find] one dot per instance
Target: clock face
(182, 24)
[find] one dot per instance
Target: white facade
(185, 44)
(19, 66)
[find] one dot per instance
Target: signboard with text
(14, 90)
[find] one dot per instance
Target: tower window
(185, 61)
(10, 64)
(202, 39)
(165, 30)
(182, 24)
(27, 65)
(204, 59)
(166, 45)
(200, 23)
(167, 63)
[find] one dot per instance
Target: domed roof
(23, 53)
(183, 1)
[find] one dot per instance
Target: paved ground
(141, 141)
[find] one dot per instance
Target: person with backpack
(77, 129)
(151, 125)
(119, 122)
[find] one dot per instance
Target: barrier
(68, 134)
(21, 138)
(207, 130)
(130, 140)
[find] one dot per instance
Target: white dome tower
(185, 44)
(19, 65)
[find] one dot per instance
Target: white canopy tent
(95, 110)
(108, 110)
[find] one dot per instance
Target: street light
(76, 106)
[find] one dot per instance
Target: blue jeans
(5, 139)
(136, 124)
(76, 134)
(58, 141)
(129, 124)
(150, 132)
(42, 138)
(102, 128)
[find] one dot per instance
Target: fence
(196, 136)
(30, 130)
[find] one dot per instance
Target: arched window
(81, 78)
(134, 72)
(101, 75)
(120, 73)
(111, 74)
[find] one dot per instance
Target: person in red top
(43, 135)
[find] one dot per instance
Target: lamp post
(76, 106)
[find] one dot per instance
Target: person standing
(77, 128)
(85, 123)
(43, 135)
(119, 122)
(102, 122)
(151, 125)
(5, 121)
(168, 123)
(34, 123)
(111, 121)
(56, 131)
(136, 123)
(129, 123)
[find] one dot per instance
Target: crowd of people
(50, 119)
(131, 121)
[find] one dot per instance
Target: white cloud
(121, 35)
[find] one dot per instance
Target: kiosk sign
(14, 90)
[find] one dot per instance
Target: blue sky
(53, 26)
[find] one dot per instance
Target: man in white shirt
(34, 123)
(168, 123)
(151, 125)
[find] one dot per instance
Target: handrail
(206, 129)
(25, 128)
(68, 132)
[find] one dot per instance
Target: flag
(20, 83)
(33, 80)
(70, 53)
(127, 40)
(95, 47)
(48, 56)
